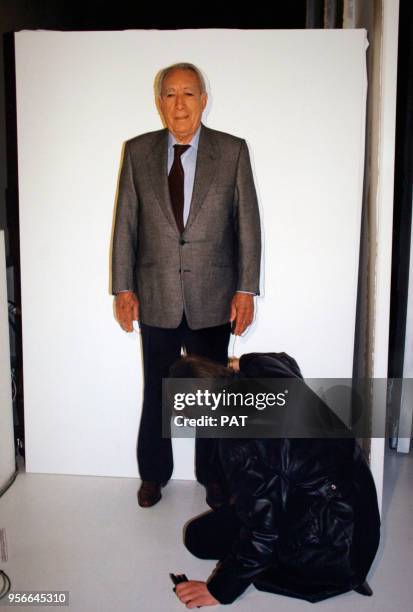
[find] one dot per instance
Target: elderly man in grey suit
(185, 259)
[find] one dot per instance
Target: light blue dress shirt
(188, 163)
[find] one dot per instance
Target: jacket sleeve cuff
(225, 585)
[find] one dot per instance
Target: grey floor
(88, 536)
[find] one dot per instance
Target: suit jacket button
(182, 241)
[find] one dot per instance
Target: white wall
(7, 454)
(298, 97)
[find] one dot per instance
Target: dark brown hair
(194, 366)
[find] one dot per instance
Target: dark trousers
(211, 535)
(160, 348)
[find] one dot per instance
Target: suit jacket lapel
(158, 168)
(205, 171)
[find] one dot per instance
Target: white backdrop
(297, 97)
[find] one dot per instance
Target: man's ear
(159, 104)
(204, 100)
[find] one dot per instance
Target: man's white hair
(180, 66)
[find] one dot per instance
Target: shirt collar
(194, 142)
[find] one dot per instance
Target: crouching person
(301, 516)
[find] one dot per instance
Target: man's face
(182, 104)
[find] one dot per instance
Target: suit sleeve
(247, 224)
(125, 235)
(254, 550)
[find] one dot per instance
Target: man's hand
(242, 312)
(127, 309)
(194, 593)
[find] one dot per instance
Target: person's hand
(233, 362)
(242, 312)
(127, 309)
(194, 593)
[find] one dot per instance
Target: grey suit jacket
(219, 252)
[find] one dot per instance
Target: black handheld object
(176, 579)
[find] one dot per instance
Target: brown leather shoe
(149, 493)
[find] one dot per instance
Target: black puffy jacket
(308, 509)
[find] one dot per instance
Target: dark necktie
(176, 186)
